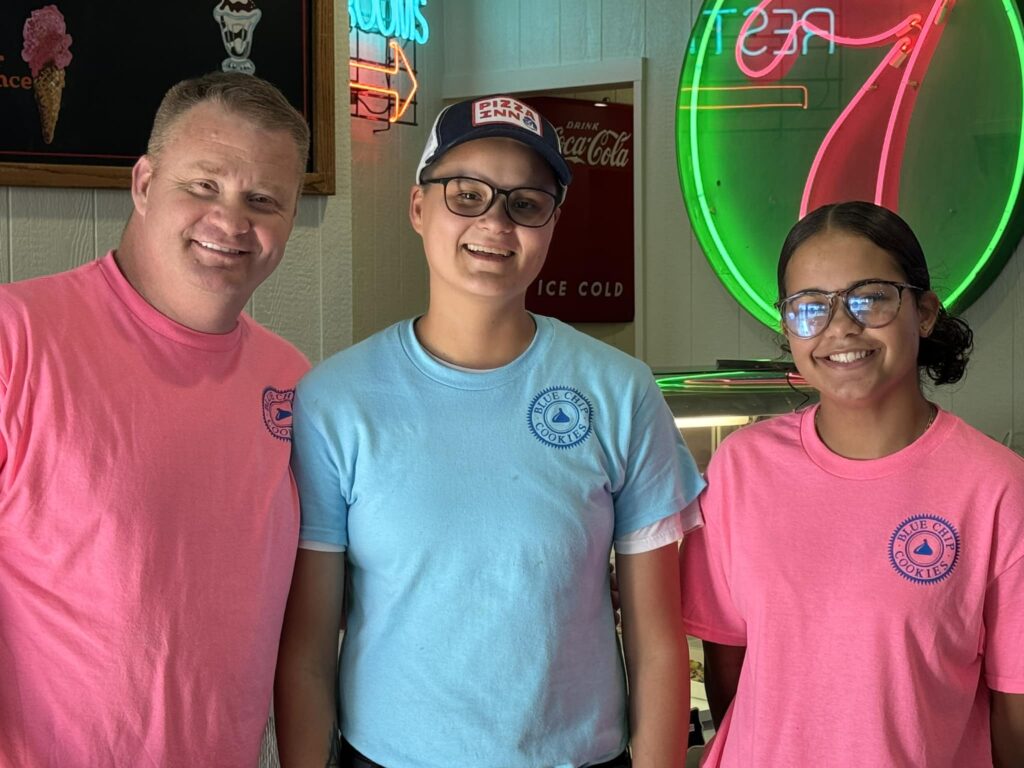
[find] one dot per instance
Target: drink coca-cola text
(603, 148)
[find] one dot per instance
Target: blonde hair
(245, 95)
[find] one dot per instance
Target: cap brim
(563, 175)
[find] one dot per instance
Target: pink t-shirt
(877, 599)
(148, 527)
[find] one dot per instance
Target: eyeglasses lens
(872, 305)
(471, 197)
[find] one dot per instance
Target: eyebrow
(862, 281)
(206, 167)
(275, 190)
(541, 185)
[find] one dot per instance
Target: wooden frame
(320, 180)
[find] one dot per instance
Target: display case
(709, 404)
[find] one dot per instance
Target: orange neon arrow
(400, 61)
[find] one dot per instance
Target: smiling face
(212, 215)
(488, 256)
(846, 362)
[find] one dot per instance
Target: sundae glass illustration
(237, 22)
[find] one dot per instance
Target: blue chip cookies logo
(277, 412)
(924, 549)
(560, 417)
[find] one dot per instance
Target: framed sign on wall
(917, 105)
(80, 81)
(588, 274)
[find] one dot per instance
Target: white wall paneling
(476, 82)
(538, 38)
(112, 210)
(51, 230)
(289, 300)
(986, 397)
(1014, 366)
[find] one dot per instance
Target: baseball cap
(495, 116)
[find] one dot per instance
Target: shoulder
(369, 358)
(27, 295)
(761, 438)
(577, 347)
(618, 384)
(275, 349)
(977, 452)
(36, 302)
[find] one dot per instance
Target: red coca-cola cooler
(588, 276)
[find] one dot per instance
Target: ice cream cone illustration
(47, 51)
(49, 87)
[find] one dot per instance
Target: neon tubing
(400, 59)
(1018, 174)
(698, 180)
(783, 105)
(912, 21)
(897, 50)
(939, 7)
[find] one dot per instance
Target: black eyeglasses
(871, 303)
(526, 206)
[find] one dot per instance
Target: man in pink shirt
(148, 519)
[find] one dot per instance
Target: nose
(230, 217)
(841, 323)
(496, 217)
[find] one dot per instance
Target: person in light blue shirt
(463, 478)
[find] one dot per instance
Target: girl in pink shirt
(859, 582)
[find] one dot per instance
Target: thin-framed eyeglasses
(870, 303)
(469, 197)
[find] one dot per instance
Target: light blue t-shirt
(478, 512)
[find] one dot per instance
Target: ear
(142, 177)
(782, 325)
(416, 208)
(928, 311)
(558, 212)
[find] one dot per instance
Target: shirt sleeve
(660, 476)
(319, 546)
(1004, 631)
(708, 608)
(661, 533)
(317, 469)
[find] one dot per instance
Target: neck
(189, 308)
(871, 431)
(476, 336)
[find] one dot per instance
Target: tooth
(215, 247)
(847, 357)
(484, 249)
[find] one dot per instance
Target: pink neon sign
(862, 153)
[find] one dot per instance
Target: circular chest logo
(277, 412)
(560, 417)
(924, 549)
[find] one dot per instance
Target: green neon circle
(743, 253)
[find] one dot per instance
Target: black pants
(350, 758)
